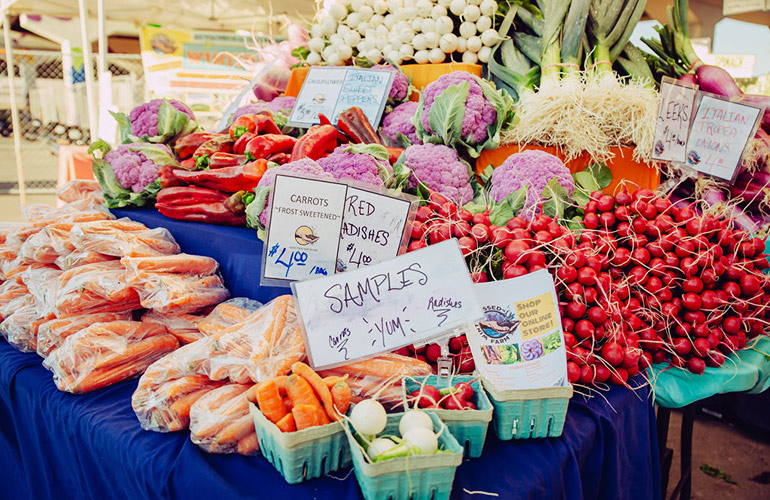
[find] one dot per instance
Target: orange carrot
(248, 445)
(251, 394)
(181, 264)
(286, 424)
(305, 416)
(269, 401)
(332, 380)
(319, 387)
(181, 407)
(236, 430)
(287, 404)
(280, 384)
(301, 393)
(341, 395)
(141, 349)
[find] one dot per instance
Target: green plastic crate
(418, 477)
(528, 413)
(469, 427)
(304, 454)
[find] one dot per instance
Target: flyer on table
(520, 343)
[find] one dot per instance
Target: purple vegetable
(717, 81)
(689, 78)
(759, 100)
(714, 196)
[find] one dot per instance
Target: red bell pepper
(221, 143)
(319, 140)
(186, 146)
(279, 158)
(182, 195)
(221, 160)
(240, 144)
(227, 179)
(265, 124)
(394, 154)
(354, 124)
(263, 146)
(261, 123)
(198, 205)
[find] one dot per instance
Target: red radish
(514, 272)
(429, 397)
(696, 365)
(469, 405)
(587, 276)
(467, 245)
(731, 325)
(701, 347)
(613, 353)
(500, 237)
(587, 375)
(460, 229)
(432, 352)
(567, 274)
(453, 402)
(682, 346)
(423, 214)
(576, 310)
(481, 218)
(515, 250)
(418, 230)
(750, 285)
(623, 198)
(480, 233)
(466, 391)
(573, 372)
(584, 329)
(465, 215)
(619, 376)
(715, 359)
(602, 373)
(691, 301)
(416, 245)
(403, 351)
(479, 277)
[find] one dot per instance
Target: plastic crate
(528, 413)
(304, 454)
(469, 427)
(418, 477)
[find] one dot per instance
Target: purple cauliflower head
(132, 168)
(144, 118)
(350, 162)
(400, 121)
(278, 105)
(532, 168)
(439, 167)
(304, 167)
(400, 89)
(479, 112)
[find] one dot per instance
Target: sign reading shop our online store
(379, 308)
(332, 90)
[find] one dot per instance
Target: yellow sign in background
(537, 316)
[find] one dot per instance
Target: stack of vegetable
(368, 419)
(397, 31)
(220, 421)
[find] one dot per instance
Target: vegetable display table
(746, 371)
(57, 445)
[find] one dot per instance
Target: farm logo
(693, 158)
(498, 324)
(304, 236)
(319, 99)
(659, 148)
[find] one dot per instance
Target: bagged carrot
(227, 314)
(194, 265)
(10, 292)
(52, 334)
(78, 189)
(8, 227)
(106, 353)
(79, 258)
(17, 328)
(123, 238)
(42, 284)
(99, 287)
(178, 293)
(220, 420)
(182, 326)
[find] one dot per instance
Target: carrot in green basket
(286, 424)
(301, 393)
(319, 387)
(341, 395)
(305, 416)
(269, 401)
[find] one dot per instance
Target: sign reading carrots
(379, 308)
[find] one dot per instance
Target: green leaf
(239, 131)
(256, 206)
(486, 175)
(402, 140)
(100, 145)
(115, 195)
(250, 156)
(601, 174)
(447, 112)
(423, 191)
(124, 124)
(554, 199)
(509, 207)
(155, 153)
(301, 52)
(581, 198)
(376, 150)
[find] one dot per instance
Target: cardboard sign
(719, 134)
(520, 343)
(379, 308)
(373, 229)
(303, 236)
(332, 90)
(675, 113)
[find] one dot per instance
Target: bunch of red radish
(644, 282)
(457, 397)
(459, 352)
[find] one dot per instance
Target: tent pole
(102, 38)
(11, 67)
(88, 69)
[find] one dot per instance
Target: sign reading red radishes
(719, 134)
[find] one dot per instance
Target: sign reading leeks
(673, 123)
(379, 308)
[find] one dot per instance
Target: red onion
(714, 197)
(759, 100)
(717, 81)
(689, 78)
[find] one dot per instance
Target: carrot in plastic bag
(78, 258)
(52, 334)
(195, 265)
(227, 314)
(123, 238)
(174, 293)
(182, 326)
(77, 189)
(18, 328)
(220, 419)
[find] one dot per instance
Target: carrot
(251, 394)
(287, 404)
(181, 407)
(236, 430)
(333, 380)
(280, 384)
(301, 392)
(319, 387)
(181, 264)
(341, 395)
(269, 401)
(231, 313)
(183, 385)
(141, 350)
(98, 379)
(248, 445)
(286, 424)
(305, 416)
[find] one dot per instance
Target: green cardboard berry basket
(417, 477)
(469, 427)
(528, 413)
(304, 454)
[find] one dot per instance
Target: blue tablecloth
(56, 445)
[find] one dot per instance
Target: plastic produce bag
(8, 227)
(78, 189)
(227, 314)
(193, 265)
(182, 326)
(104, 354)
(20, 327)
(10, 292)
(42, 283)
(52, 334)
(15, 239)
(123, 238)
(220, 421)
(77, 258)
(100, 287)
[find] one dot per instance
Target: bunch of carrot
(302, 399)
(99, 287)
(220, 421)
(53, 333)
(123, 238)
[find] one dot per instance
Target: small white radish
(483, 24)
(353, 20)
(474, 2)
(431, 39)
(419, 42)
(370, 34)
(374, 56)
(394, 5)
(380, 43)
(335, 60)
(406, 36)
(365, 46)
(412, 419)
(438, 11)
(316, 44)
(423, 439)
(474, 44)
(406, 51)
(345, 51)
(368, 417)
(448, 43)
(445, 3)
(428, 26)
(382, 31)
(390, 20)
(400, 26)
(394, 56)
(489, 37)
(342, 30)
(472, 13)
(365, 12)
(376, 20)
(380, 7)
(316, 31)
(356, 4)
(379, 445)
(470, 57)
(421, 56)
(457, 7)
(484, 54)
(314, 58)
(352, 38)
(327, 52)
(417, 23)
(328, 25)
(408, 13)
(335, 40)
(488, 7)
(444, 25)
(424, 7)
(337, 11)
(436, 56)
(462, 44)
(467, 29)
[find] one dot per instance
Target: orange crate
(638, 175)
(421, 75)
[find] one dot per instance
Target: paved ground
(39, 158)
(10, 210)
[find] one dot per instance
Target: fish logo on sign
(693, 158)
(498, 323)
(304, 236)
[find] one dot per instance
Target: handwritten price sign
(675, 113)
(379, 308)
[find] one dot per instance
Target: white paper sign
(304, 232)
(520, 342)
(382, 307)
(673, 123)
(719, 134)
(332, 90)
(373, 228)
